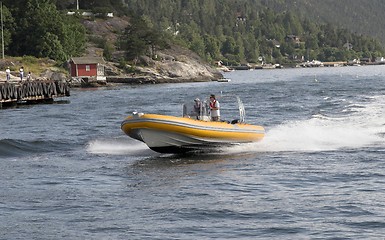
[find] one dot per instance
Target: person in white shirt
(29, 76)
(8, 73)
(214, 109)
(21, 71)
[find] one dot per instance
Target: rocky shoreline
(151, 80)
(173, 65)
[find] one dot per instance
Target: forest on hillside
(239, 31)
(233, 31)
(37, 28)
(362, 17)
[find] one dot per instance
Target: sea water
(69, 172)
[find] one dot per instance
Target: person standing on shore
(8, 74)
(29, 76)
(21, 71)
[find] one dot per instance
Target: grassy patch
(30, 64)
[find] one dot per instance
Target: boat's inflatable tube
(169, 134)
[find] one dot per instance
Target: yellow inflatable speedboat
(169, 134)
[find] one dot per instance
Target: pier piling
(32, 92)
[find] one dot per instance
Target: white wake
(116, 147)
(363, 126)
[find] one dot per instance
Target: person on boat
(197, 107)
(214, 108)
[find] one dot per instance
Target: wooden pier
(29, 92)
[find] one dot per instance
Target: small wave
(15, 147)
(117, 147)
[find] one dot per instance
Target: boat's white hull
(162, 141)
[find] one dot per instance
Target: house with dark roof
(292, 38)
(87, 68)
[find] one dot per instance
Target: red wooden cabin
(87, 68)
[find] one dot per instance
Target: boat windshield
(231, 108)
(197, 109)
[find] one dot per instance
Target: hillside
(175, 64)
(363, 17)
(260, 31)
(234, 32)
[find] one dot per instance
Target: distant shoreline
(301, 65)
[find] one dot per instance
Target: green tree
(73, 37)
(139, 39)
(212, 47)
(51, 47)
(133, 39)
(8, 28)
(40, 26)
(108, 49)
(197, 45)
(251, 48)
(229, 46)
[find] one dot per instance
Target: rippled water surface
(69, 172)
